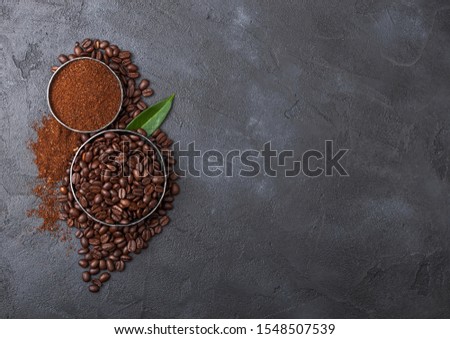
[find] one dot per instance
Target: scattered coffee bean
(148, 92)
(104, 277)
(63, 58)
(86, 276)
(124, 55)
(94, 288)
(83, 263)
(144, 84)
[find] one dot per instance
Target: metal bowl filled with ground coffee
(85, 95)
(118, 178)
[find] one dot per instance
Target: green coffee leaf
(152, 117)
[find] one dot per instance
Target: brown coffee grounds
(53, 149)
(85, 95)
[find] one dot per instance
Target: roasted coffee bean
(116, 59)
(147, 92)
(104, 277)
(124, 54)
(132, 246)
(84, 242)
(94, 241)
(83, 251)
(94, 263)
(86, 43)
(97, 254)
(158, 180)
(132, 68)
(108, 246)
(83, 263)
(122, 193)
(139, 243)
(126, 62)
(153, 222)
(104, 238)
(141, 105)
(94, 271)
(88, 157)
(119, 265)
(75, 213)
(82, 218)
(98, 199)
(63, 58)
(86, 276)
(109, 135)
(103, 230)
(110, 265)
(121, 245)
(89, 233)
(142, 131)
(114, 66)
(104, 44)
(94, 288)
(97, 282)
(102, 265)
(146, 235)
(76, 178)
(175, 189)
(122, 70)
(78, 50)
(164, 220)
(144, 84)
(109, 52)
(119, 241)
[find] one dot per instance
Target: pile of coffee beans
(118, 178)
(105, 249)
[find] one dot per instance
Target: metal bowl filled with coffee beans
(118, 178)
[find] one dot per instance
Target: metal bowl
(119, 131)
(54, 114)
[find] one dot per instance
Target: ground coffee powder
(85, 95)
(54, 147)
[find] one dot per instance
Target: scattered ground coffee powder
(85, 95)
(54, 147)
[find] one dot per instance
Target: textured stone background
(374, 76)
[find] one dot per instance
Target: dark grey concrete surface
(373, 76)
